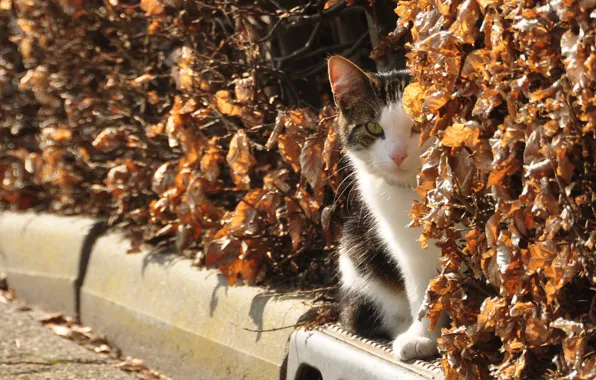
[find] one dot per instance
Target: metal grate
(337, 354)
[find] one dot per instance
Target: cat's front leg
(417, 341)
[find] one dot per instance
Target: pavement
(29, 350)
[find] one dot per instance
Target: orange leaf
(225, 104)
(460, 134)
(290, 150)
(152, 7)
(412, 100)
(506, 168)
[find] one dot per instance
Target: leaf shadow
(159, 256)
(221, 283)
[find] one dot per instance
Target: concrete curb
(45, 256)
(185, 321)
(188, 323)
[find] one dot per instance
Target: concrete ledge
(43, 257)
(184, 321)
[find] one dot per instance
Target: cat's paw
(412, 346)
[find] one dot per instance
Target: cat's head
(373, 127)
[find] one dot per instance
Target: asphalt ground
(32, 350)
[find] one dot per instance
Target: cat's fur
(384, 271)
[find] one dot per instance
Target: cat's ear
(348, 82)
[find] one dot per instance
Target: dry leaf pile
(167, 118)
(509, 189)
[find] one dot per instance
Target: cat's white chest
(390, 206)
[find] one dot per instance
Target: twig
(279, 61)
(278, 5)
(298, 20)
(325, 49)
(298, 292)
(271, 31)
(270, 330)
(319, 67)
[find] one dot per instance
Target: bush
(186, 122)
(207, 125)
(509, 188)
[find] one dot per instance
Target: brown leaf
(192, 142)
(464, 26)
(536, 331)
(277, 179)
(331, 150)
(201, 207)
(109, 139)
(311, 161)
(268, 204)
(56, 319)
(473, 241)
(490, 269)
(413, 98)
(225, 105)
(295, 222)
(248, 270)
(503, 170)
(332, 3)
(245, 218)
(564, 167)
(326, 216)
(477, 62)
(460, 134)
(57, 134)
(163, 178)
(434, 101)
(541, 254)
(211, 160)
(291, 149)
(244, 90)
(240, 160)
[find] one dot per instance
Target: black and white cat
(384, 271)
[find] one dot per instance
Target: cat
(384, 273)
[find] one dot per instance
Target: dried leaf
(311, 161)
(291, 150)
(240, 160)
(460, 134)
(413, 98)
(225, 104)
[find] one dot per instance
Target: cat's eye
(374, 129)
(416, 128)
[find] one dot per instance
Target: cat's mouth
(401, 181)
(397, 177)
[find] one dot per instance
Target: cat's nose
(399, 158)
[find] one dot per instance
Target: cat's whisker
(352, 177)
(349, 194)
(339, 168)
